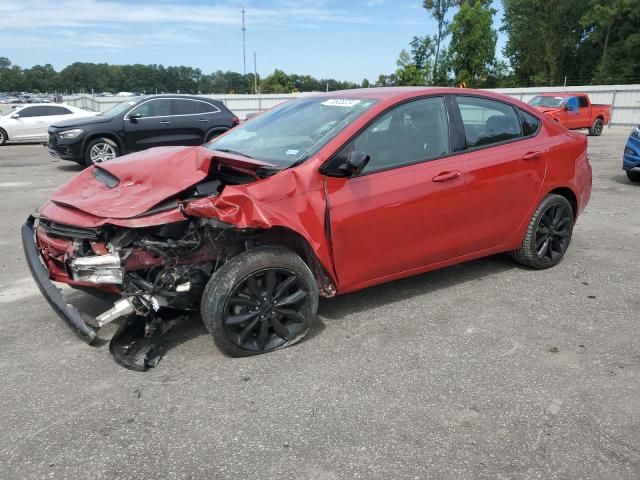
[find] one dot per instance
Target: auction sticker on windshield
(341, 102)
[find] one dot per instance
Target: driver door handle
(444, 176)
(165, 122)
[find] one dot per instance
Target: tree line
(548, 42)
(102, 77)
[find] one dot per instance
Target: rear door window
(583, 102)
(530, 124)
(487, 122)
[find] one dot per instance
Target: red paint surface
(383, 226)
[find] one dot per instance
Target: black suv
(140, 123)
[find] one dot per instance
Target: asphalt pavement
(486, 370)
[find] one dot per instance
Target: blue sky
(346, 40)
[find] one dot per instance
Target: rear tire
(595, 130)
(633, 176)
(548, 235)
(100, 150)
(261, 300)
(3, 137)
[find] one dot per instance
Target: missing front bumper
(69, 314)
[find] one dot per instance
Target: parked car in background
(573, 110)
(31, 122)
(138, 124)
(296, 203)
(631, 156)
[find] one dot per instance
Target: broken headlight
(97, 269)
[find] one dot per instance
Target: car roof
(400, 93)
(48, 104)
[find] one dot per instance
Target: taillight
(235, 120)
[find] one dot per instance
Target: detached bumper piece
(138, 343)
(69, 314)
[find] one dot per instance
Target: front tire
(595, 130)
(100, 150)
(633, 176)
(3, 137)
(548, 235)
(261, 300)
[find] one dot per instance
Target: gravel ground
(481, 371)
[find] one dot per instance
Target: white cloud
(82, 13)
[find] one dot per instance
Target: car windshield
(290, 133)
(120, 107)
(545, 101)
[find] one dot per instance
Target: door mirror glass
(356, 161)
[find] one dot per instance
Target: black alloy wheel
(553, 233)
(266, 309)
(548, 235)
(260, 300)
(596, 128)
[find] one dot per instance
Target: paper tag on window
(341, 102)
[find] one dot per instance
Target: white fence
(625, 100)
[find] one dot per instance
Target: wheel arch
(220, 130)
(109, 135)
(292, 240)
(571, 197)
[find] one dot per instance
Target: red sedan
(319, 196)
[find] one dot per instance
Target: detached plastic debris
(138, 343)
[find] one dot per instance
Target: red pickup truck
(573, 110)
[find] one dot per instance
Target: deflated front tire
(261, 300)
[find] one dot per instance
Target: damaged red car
(319, 196)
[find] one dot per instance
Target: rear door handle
(165, 122)
(444, 176)
(203, 120)
(532, 156)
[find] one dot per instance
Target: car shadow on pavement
(333, 309)
(623, 180)
(70, 167)
(386, 293)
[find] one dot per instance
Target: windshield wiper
(228, 150)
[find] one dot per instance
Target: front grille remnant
(66, 231)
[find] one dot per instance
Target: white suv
(29, 123)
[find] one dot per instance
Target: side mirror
(135, 116)
(565, 108)
(15, 115)
(356, 161)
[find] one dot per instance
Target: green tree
(612, 40)
(408, 73)
(438, 10)
(473, 43)
(545, 39)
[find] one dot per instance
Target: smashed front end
(153, 243)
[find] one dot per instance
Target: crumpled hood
(143, 179)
